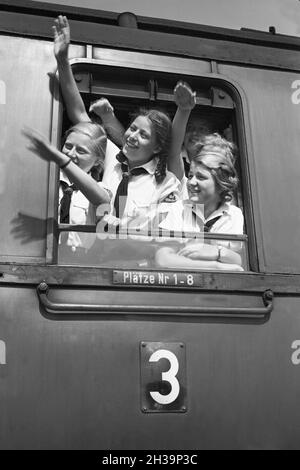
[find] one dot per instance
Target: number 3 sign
(163, 386)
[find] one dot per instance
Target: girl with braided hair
(137, 176)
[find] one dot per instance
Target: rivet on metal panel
(144, 409)
(78, 78)
(268, 296)
(183, 408)
(272, 30)
(143, 344)
(220, 98)
(127, 20)
(43, 286)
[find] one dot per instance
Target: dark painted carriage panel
(74, 383)
(273, 146)
(25, 64)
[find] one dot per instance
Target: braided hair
(162, 127)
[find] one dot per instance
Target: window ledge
(33, 274)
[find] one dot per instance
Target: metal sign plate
(163, 377)
(157, 278)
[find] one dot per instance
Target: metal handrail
(156, 310)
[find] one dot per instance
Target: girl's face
(77, 147)
(201, 185)
(140, 141)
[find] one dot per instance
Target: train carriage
(112, 351)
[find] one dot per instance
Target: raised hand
(61, 31)
(102, 108)
(39, 145)
(112, 125)
(184, 96)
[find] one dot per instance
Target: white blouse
(183, 216)
(143, 190)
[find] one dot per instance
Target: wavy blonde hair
(216, 154)
(97, 145)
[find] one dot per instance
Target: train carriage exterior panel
(76, 376)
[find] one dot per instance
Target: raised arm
(73, 101)
(185, 99)
(111, 124)
(39, 145)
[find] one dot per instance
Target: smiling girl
(80, 162)
(211, 184)
(137, 176)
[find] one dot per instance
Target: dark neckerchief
(65, 202)
(122, 191)
(206, 225)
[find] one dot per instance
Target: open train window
(139, 245)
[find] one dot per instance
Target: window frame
(178, 66)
